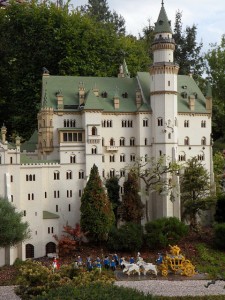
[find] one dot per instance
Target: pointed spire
(163, 24)
(123, 71)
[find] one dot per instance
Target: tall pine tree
(132, 207)
(97, 216)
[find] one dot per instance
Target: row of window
(112, 157)
(49, 248)
(187, 141)
(122, 141)
(125, 123)
(69, 194)
(69, 123)
(187, 123)
(182, 157)
(72, 137)
(69, 175)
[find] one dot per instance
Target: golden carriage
(177, 263)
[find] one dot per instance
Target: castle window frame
(182, 156)
(81, 174)
(56, 194)
(122, 157)
(201, 156)
(94, 131)
(132, 157)
(203, 141)
(69, 193)
(112, 142)
(56, 175)
(203, 124)
(146, 142)
(72, 159)
(160, 121)
(112, 158)
(112, 173)
(132, 141)
(186, 141)
(186, 123)
(122, 141)
(94, 150)
(145, 122)
(69, 174)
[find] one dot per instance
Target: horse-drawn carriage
(176, 263)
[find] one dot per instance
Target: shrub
(162, 232)
(95, 292)
(220, 209)
(129, 237)
(219, 233)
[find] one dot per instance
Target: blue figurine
(106, 262)
(132, 260)
(113, 265)
(89, 263)
(159, 259)
(98, 263)
(115, 257)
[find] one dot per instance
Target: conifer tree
(97, 216)
(132, 206)
(113, 189)
(195, 191)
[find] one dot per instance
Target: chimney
(116, 102)
(192, 102)
(138, 98)
(59, 97)
(3, 132)
(81, 92)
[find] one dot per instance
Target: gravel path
(7, 293)
(154, 287)
(175, 288)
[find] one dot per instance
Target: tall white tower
(163, 97)
(163, 89)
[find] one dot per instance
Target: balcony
(112, 148)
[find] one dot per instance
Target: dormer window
(104, 94)
(125, 95)
(160, 23)
(184, 95)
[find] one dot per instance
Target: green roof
(49, 215)
(111, 85)
(31, 145)
(25, 159)
(185, 86)
(163, 24)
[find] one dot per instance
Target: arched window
(112, 173)
(94, 150)
(50, 248)
(132, 141)
(29, 251)
(81, 174)
(203, 123)
(201, 156)
(56, 175)
(145, 122)
(122, 157)
(122, 141)
(73, 159)
(160, 121)
(182, 156)
(94, 130)
(186, 123)
(69, 175)
(203, 141)
(112, 142)
(186, 141)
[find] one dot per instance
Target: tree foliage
(132, 207)
(220, 209)
(216, 68)
(195, 191)
(70, 240)
(153, 173)
(12, 229)
(33, 36)
(113, 190)
(188, 52)
(99, 10)
(219, 171)
(97, 215)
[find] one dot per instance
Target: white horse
(147, 267)
(130, 268)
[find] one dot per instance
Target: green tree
(216, 68)
(12, 229)
(99, 10)
(220, 209)
(132, 207)
(113, 190)
(219, 170)
(97, 215)
(188, 52)
(195, 191)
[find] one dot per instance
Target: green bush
(219, 233)
(162, 232)
(94, 292)
(129, 237)
(35, 279)
(220, 209)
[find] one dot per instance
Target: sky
(207, 15)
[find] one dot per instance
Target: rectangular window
(52, 230)
(11, 160)
(56, 194)
(11, 178)
(69, 207)
(56, 208)
(103, 158)
(69, 193)
(132, 157)
(146, 141)
(24, 213)
(11, 198)
(80, 193)
(45, 194)
(49, 230)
